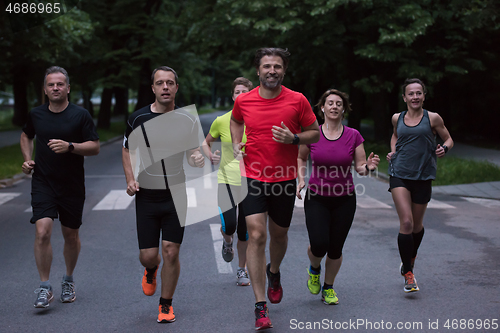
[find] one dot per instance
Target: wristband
(296, 139)
(445, 147)
(366, 167)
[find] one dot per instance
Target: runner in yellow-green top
(229, 193)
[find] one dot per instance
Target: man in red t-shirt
(277, 119)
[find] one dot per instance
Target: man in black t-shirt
(65, 133)
(156, 140)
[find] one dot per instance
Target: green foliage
(11, 160)
(453, 170)
(365, 47)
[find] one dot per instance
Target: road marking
(191, 197)
(222, 266)
(104, 176)
(365, 201)
(484, 202)
(114, 200)
(439, 205)
(207, 177)
(4, 197)
(29, 210)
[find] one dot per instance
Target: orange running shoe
(166, 314)
(149, 282)
(410, 283)
(412, 265)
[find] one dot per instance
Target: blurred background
(363, 47)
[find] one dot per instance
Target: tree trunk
(20, 88)
(104, 118)
(381, 117)
(121, 101)
(144, 94)
(87, 100)
(356, 98)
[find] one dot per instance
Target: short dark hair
(166, 69)
(242, 81)
(410, 81)
(55, 69)
(343, 95)
(271, 51)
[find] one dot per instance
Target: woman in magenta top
(330, 200)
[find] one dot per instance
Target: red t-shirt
(268, 160)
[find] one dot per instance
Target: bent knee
(406, 225)
(257, 237)
(170, 251)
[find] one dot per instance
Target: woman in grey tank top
(412, 167)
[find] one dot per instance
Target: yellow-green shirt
(229, 169)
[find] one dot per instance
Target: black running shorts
(420, 190)
(155, 212)
(277, 199)
(68, 209)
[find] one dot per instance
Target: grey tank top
(415, 156)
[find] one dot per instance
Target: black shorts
(155, 211)
(277, 199)
(420, 190)
(68, 209)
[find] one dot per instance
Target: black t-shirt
(59, 174)
(157, 143)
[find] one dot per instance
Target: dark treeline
(364, 47)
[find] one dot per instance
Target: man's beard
(271, 86)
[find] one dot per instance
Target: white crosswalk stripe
(365, 201)
(191, 197)
(114, 200)
(439, 205)
(4, 197)
(222, 266)
(299, 203)
(484, 202)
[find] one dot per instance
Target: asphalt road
(457, 269)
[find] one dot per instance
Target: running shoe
(410, 283)
(412, 265)
(274, 289)
(149, 282)
(43, 297)
(68, 294)
(329, 296)
(242, 278)
(313, 282)
(262, 320)
(227, 251)
(166, 314)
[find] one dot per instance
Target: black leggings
(229, 197)
(328, 221)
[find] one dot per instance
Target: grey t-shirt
(415, 156)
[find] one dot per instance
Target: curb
(9, 182)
